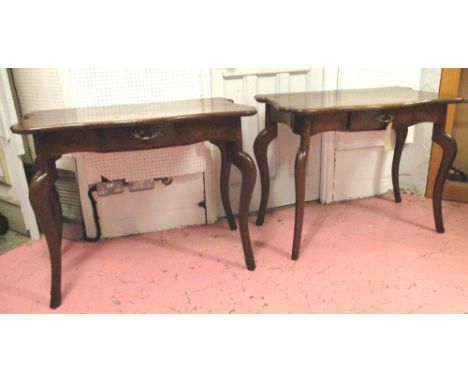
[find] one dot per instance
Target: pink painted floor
(362, 256)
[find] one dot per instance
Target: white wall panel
(364, 174)
(352, 78)
(162, 208)
(414, 165)
(362, 166)
(114, 86)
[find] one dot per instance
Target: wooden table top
(124, 115)
(354, 99)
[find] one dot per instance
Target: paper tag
(110, 188)
(388, 143)
(141, 185)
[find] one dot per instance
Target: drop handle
(145, 134)
(385, 118)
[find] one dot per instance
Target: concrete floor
(362, 256)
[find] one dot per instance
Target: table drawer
(167, 134)
(137, 138)
(378, 120)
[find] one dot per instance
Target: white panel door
(241, 85)
(362, 167)
(13, 183)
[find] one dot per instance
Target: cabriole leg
(45, 202)
(401, 134)
(262, 141)
(247, 168)
(300, 169)
(449, 151)
(224, 183)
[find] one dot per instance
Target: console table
(352, 110)
(129, 128)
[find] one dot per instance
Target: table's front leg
(262, 141)
(401, 132)
(45, 202)
(249, 174)
(224, 183)
(449, 151)
(300, 169)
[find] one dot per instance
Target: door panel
(242, 86)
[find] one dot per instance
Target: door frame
(17, 185)
(456, 191)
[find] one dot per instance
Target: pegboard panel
(174, 161)
(38, 89)
(41, 89)
(113, 86)
(121, 86)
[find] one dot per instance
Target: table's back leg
(400, 134)
(300, 169)
(262, 141)
(249, 174)
(224, 183)
(46, 205)
(449, 151)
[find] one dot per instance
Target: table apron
(137, 137)
(359, 120)
(404, 117)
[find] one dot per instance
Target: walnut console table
(129, 128)
(352, 110)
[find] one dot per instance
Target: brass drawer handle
(385, 118)
(143, 134)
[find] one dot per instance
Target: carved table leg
(400, 133)
(46, 205)
(449, 149)
(300, 179)
(262, 141)
(224, 183)
(249, 174)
